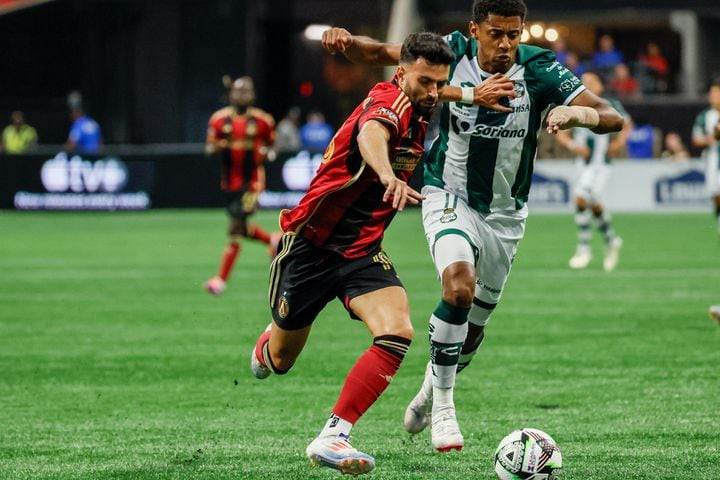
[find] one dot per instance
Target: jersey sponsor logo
(386, 113)
(687, 188)
(449, 215)
(405, 162)
(489, 131)
(561, 70)
(569, 84)
(283, 307)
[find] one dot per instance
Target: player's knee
(581, 203)
(459, 284)
(459, 293)
(597, 210)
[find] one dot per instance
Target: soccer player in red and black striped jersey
(241, 136)
(331, 246)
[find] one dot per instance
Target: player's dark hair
(430, 46)
(503, 8)
(715, 82)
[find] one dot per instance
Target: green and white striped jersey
(484, 156)
(598, 143)
(705, 125)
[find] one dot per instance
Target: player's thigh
(450, 229)
(385, 312)
(712, 179)
(501, 236)
(584, 185)
(298, 288)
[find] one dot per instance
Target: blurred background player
(706, 135)
(18, 137)
(240, 136)
(594, 153)
(332, 244)
(477, 181)
(714, 312)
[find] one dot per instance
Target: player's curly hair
(503, 8)
(430, 46)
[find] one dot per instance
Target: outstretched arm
(373, 142)
(586, 110)
(362, 50)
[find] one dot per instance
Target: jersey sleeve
(458, 43)
(75, 132)
(557, 83)
(699, 129)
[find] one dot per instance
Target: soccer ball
(528, 454)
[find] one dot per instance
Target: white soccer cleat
(215, 286)
(714, 313)
(336, 452)
(446, 434)
(612, 254)
(582, 257)
(418, 413)
(258, 369)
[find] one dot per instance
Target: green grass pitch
(115, 364)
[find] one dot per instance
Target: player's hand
(716, 131)
(399, 191)
(336, 40)
(489, 93)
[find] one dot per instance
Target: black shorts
(241, 204)
(304, 278)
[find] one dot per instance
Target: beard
(424, 108)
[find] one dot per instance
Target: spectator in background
(623, 84)
(675, 150)
(287, 137)
(572, 61)
(85, 135)
(560, 50)
(656, 65)
(706, 135)
(316, 134)
(645, 140)
(18, 137)
(607, 56)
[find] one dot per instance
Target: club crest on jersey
(449, 215)
(283, 307)
(519, 89)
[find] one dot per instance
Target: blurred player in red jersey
(241, 136)
(331, 246)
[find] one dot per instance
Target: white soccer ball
(528, 454)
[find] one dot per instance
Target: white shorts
(591, 182)
(712, 177)
(493, 238)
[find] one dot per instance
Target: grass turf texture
(115, 364)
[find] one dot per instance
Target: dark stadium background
(150, 70)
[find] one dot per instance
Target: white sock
(336, 426)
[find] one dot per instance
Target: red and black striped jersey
(343, 210)
(249, 136)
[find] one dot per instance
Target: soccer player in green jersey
(594, 153)
(706, 135)
(477, 178)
